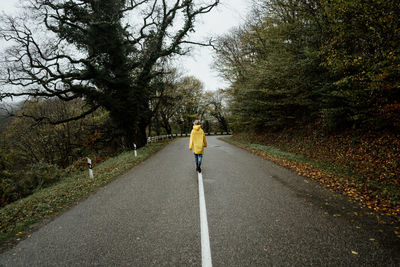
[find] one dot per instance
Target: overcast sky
(228, 14)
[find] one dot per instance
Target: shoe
(199, 170)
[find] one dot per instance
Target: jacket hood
(196, 127)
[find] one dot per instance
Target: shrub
(41, 175)
(8, 191)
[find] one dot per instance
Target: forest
(321, 79)
(318, 78)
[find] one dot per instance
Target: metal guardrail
(152, 139)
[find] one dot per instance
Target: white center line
(205, 239)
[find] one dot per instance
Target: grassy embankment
(366, 167)
(17, 219)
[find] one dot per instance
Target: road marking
(205, 239)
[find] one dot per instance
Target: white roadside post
(89, 161)
(134, 145)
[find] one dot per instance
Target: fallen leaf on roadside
(356, 154)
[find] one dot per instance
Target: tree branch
(49, 120)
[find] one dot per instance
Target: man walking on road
(197, 142)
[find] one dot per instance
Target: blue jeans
(197, 159)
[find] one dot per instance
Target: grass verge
(329, 175)
(278, 154)
(18, 218)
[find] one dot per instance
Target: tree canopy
(104, 52)
(330, 62)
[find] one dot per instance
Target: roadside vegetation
(360, 167)
(72, 185)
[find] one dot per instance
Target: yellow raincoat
(197, 140)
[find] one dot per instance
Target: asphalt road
(259, 214)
